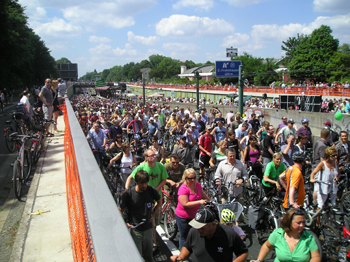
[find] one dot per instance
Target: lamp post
(204, 102)
(143, 90)
(240, 82)
(197, 76)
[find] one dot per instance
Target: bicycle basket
(257, 217)
(235, 207)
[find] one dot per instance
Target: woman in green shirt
(272, 172)
(291, 242)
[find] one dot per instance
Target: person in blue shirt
(99, 140)
(220, 132)
(152, 128)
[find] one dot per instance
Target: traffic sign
(227, 68)
(231, 52)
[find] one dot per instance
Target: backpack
(21, 109)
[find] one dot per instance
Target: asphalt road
(10, 208)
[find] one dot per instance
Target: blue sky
(101, 34)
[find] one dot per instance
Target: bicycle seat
(339, 212)
(277, 200)
(255, 178)
(8, 122)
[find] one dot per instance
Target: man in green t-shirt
(161, 117)
(157, 179)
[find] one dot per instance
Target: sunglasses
(174, 162)
(334, 155)
(191, 178)
(299, 212)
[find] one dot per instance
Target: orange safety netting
(82, 247)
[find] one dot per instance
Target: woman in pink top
(191, 196)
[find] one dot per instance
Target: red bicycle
(168, 210)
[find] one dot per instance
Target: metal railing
(98, 230)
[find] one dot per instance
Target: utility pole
(197, 76)
(241, 83)
(143, 90)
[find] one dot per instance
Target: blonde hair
(186, 174)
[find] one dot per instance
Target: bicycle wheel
(264, 233)
(345, 202)
(170, 225)
(27, 164)
(39, 149)
(17, 180)
(330, 240)
(318, 242)
(10, 143)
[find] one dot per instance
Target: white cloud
(193, 26)
(334, 6)
(274, 33)
(199, 4)
(99, 39)
(98, 16)
(180, 47)
(242, 3)
(243, 42)
(135, 39)
(56, 28)
(235, 40)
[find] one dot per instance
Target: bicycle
(168, 210)
(10, 143)
(207, 183)
(22, 166)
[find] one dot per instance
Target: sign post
(231, 52)
(240, 82)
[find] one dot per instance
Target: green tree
(63, 60)
(155, 60)
(105, 74)
(190, 64)
(290, 46)
(266, 73)
(115, 74)
(23, 54)
(339, 64)
(313, 55)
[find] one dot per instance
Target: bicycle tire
(170, 226)
(27, 164)
(10, 143)
(330, 239)
(263, 234)
(345, 202)
(39, 149)
(17, 180)
(318, 242)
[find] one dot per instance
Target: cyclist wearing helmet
(293, 182)
(228, 218)
(306, 131)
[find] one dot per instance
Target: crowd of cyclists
(179, 146)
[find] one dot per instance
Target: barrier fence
(260, 89)
(80, 234)
(98, 231)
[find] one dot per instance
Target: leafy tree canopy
(63, 60)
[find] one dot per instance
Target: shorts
(204, 160)
(47, 110)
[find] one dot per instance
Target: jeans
(99, 154)
(184, 228)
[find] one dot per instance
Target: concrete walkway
(46, 237)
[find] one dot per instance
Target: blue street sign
(227, 68)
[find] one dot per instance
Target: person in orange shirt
(293, 182)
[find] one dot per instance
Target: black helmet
(298, 157)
